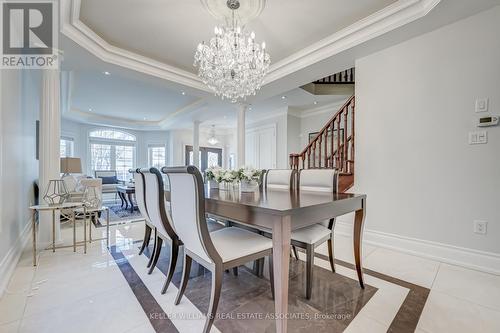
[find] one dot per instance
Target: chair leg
(174, 251)
(261, 267)
(159, 242)
(214, 299)
(147, 237)
(185, 277)
(235, 271)
(151, 256)
(309, 269)
(330, 254)
(295, 252)
(271, 274)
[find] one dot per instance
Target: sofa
(110, 180)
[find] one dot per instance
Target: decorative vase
(213, 184)
(56, 193)
(249, 186)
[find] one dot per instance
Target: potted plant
(249, 179)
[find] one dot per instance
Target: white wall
(312, 124)
(18, 166)
(415, 107)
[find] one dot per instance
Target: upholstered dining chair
(308, 238)
(283, 179)
(156, 208)
(217, 251)
(140, 197)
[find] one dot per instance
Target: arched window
(112, 135)
(112, 150)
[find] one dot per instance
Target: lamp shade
(71, 165)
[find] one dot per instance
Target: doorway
(208, 157)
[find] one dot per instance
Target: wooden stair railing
(333, 146)
(344, 77)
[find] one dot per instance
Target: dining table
(284, 211)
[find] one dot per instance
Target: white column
(196, 143)
(240, 135)
(50, 129)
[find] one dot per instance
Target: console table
(53, 209)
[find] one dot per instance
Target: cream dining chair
(217, 251)
(159, 217)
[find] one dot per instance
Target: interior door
(208, 157)
(267, 150)
(260, 147)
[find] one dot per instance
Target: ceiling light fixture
(315, 102)
(232, 64)
(183, 93)
(90, 109)
(283, 97)
(212, 139)
(106, 73)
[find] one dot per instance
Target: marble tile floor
(76, 292)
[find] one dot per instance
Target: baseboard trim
(9, 262)
(487, 262)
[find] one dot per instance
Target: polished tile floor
(73, 292)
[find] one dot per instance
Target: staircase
(332, 148)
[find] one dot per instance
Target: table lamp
(70, 165)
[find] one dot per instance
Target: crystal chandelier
(232, 64)
(213, 139)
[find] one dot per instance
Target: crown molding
(392, 17)
(327, 108)
(162, 124)
(389, 18)
(76, 30)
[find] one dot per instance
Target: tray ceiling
(169, 31)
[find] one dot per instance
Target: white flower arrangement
(215, 173)
(249, 174)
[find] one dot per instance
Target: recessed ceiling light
(145, 118)
(90, 109)
(106, 73)
(283, 97)
(183, 93)
(315, 102)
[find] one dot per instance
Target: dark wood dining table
(284, 211)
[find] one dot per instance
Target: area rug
(118, 215)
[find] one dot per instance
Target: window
(157, 156)
(112, 150)
(67, 147)
(112, 135)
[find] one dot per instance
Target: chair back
(318, 180)
(155, 202)
(140, 193)
(283, 179)
(187, 200)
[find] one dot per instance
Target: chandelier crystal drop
(232, 64)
